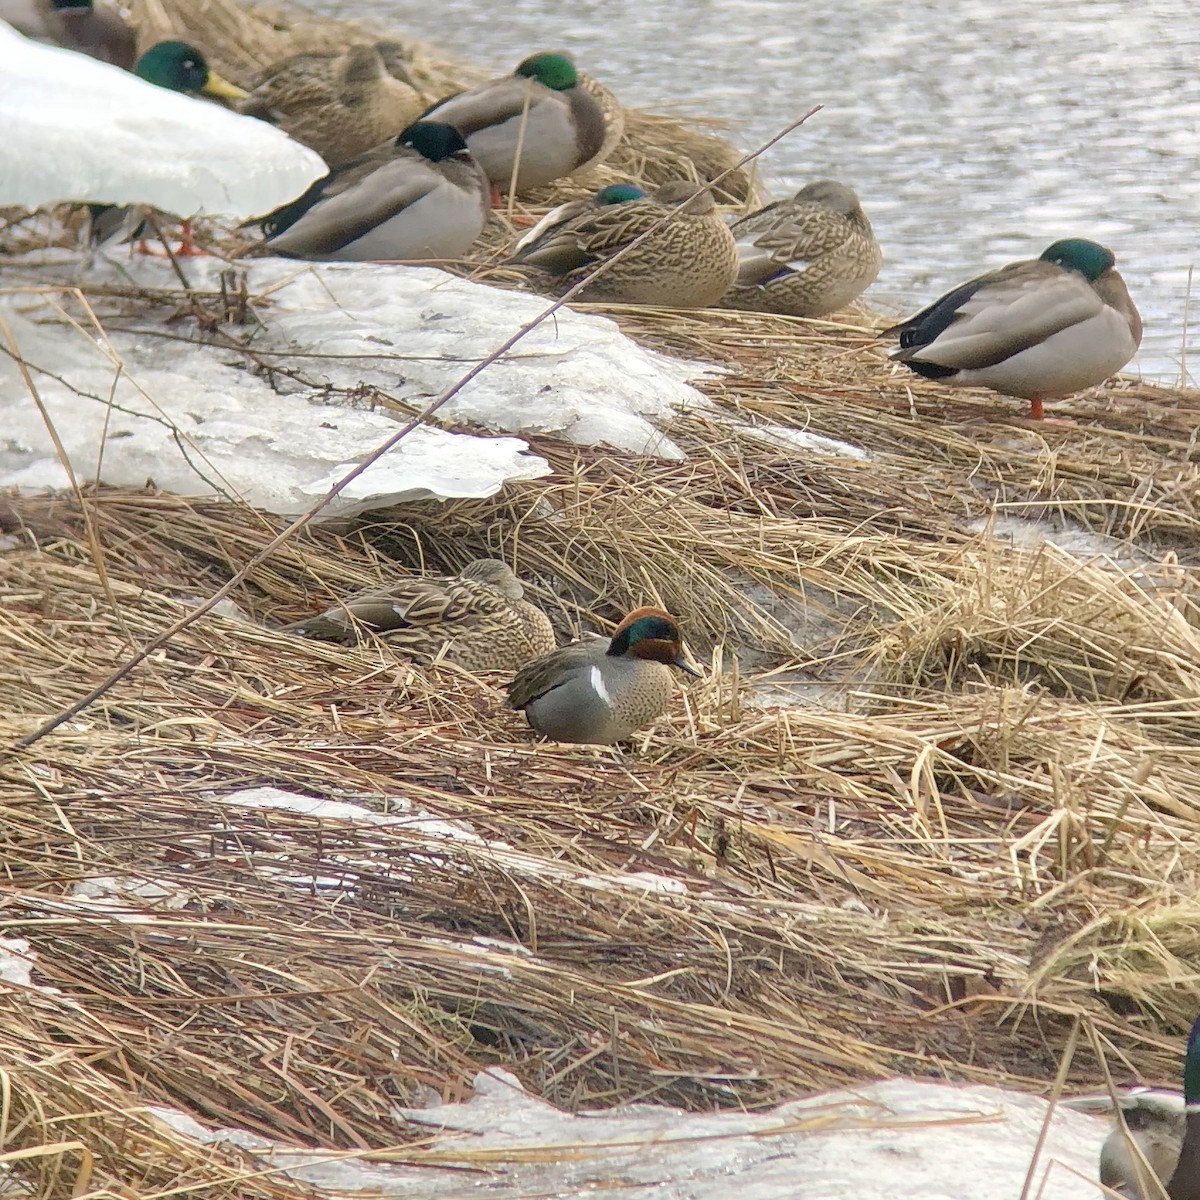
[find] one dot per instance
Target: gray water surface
(975, 132)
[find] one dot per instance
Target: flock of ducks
(410, 182)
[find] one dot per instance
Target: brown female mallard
(479, 617)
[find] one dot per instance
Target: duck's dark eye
(189, 64)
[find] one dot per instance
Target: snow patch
(16, 961)
(200, 419)
(343, 810)
(78, 129)
(895, 1140)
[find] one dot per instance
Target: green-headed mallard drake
(1039, 329)
(805, 257)
(540, 110)
(689, 261)
(99, 33)
(602, 691)
(178, 67)
(339, 104)
(1164, 1126)
(421, 197)
(480, 616)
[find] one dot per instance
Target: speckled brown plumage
(341, 105)
(805, 257)
(480, 616)
(690, 261)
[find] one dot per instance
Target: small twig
(1063, 1067)
(152, 220)
(516, 170)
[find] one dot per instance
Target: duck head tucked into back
(1039, 329)
(530, 127)
(601, 692)
(420, 197)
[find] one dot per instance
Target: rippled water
(974, 131)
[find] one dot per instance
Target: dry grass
(985, 831)
(988, 831)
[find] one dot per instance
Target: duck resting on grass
(600, 691)
(541, 241)
(339, 104)
(1039, 329)
(422, 197)
(805, 257)
(540, 117)
(480, 616)
(1166, 1129)
(689, 261)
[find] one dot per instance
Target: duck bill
(222, 89)
(685, 664)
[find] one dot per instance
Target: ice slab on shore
(80, 130)
(201, 419)
(895, 1140)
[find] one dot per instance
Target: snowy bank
(80, 130)
(199, 419)
(897, 1140)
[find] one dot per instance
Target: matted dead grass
(982, 833)
(986, 831)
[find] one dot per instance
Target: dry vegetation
(985, 831)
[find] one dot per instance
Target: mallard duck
(805, 257)
(540, 110)
(341, 105)
(421, 197)
(480, 616)
(601, 691)
(99, 33)
(1166, 1129)
(1156, 1122)
(543, 232)
(178, 67)
(689, 261)
(1038, 329)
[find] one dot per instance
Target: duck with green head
(178, 67)
(422, 197)
(531, 127)
(1039, 329)
(687, 260)
(1155, 1146)
(543, 236)
(599, 691)
(479, 619)
(805, 257)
